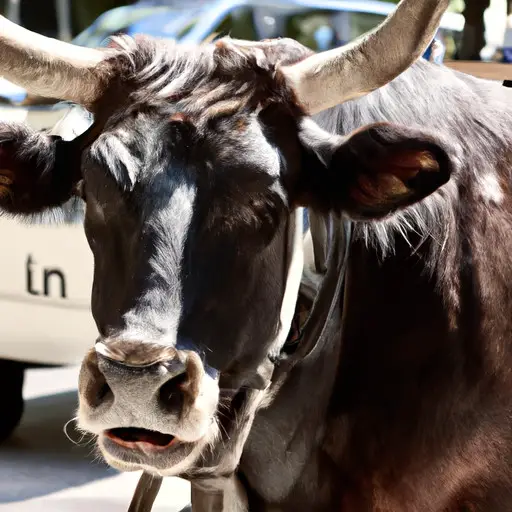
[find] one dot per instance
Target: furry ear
(37, 170)
(375, 171)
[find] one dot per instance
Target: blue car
(319, 24)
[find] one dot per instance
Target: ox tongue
(141, 435)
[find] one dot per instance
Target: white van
(46, 271)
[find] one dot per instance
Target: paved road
(42, 471)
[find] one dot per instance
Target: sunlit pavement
(42, 470)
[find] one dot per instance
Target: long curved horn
(329, 78)
(48, 67)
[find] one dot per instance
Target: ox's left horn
(329, 78)
(48, 67)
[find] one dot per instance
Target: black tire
(11, 383)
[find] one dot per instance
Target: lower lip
(140, 445)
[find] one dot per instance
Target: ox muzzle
(156, 407)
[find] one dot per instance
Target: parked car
(306, 21)
(46, 275)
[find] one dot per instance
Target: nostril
(99, 391)
(170, 395)
(103, 392)
(93, 387)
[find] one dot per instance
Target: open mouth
(133, 437)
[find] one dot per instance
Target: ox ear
(373, 172)
(37, 171)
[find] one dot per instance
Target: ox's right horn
(48, 67)
(327, 79)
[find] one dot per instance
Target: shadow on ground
(39, 459)
(88, 505)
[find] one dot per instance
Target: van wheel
(11, 382)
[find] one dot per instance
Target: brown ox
(397, 396)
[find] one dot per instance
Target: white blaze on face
(165, 305)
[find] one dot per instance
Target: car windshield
(318, 28)
(155, 20)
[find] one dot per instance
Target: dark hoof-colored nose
(140, 373)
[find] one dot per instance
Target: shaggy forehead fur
(201, 81)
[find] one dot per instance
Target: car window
(142, 19)
(264, 23)
(319, 29)
(238, 24)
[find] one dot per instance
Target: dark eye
(79, 190)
